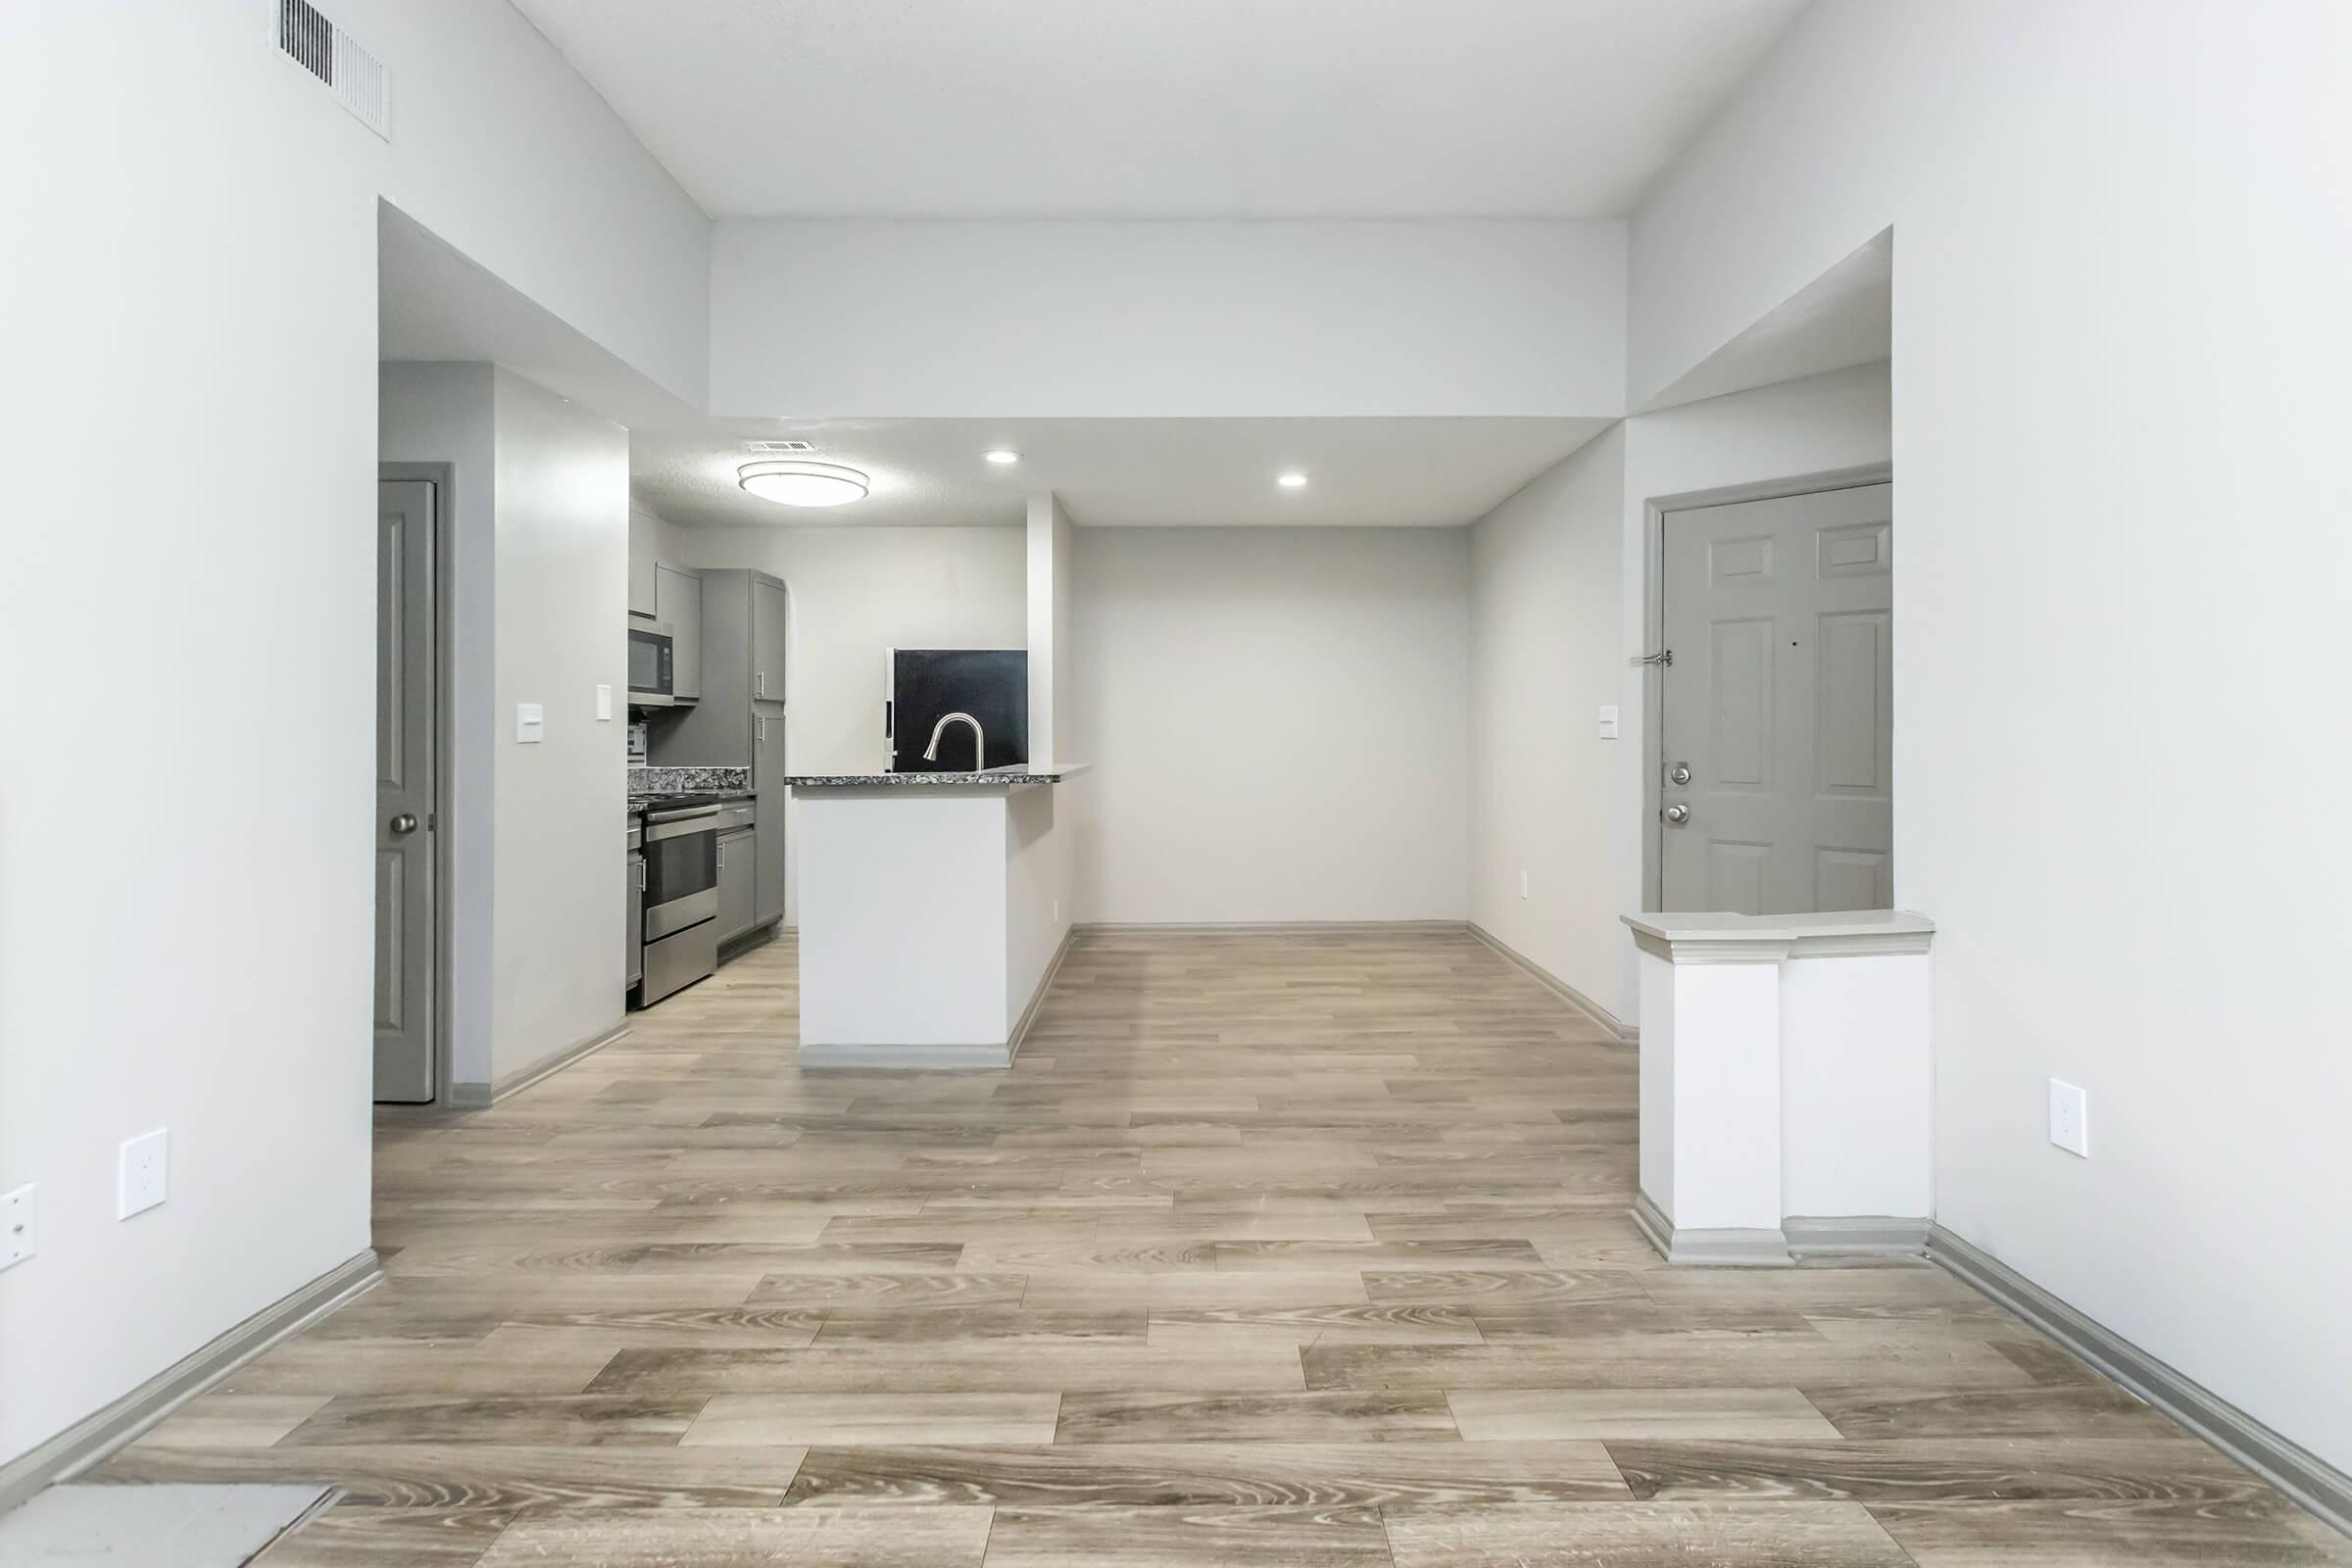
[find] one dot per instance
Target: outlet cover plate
(146, 1175)
(2070, 1118)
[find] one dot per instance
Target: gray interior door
(1776, 752)
(405, 811)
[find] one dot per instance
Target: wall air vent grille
(361, 83)
(780, 449)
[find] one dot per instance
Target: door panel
(1780, 704)
(1736, 875)
(1739, 691)
(405, 806)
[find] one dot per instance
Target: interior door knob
(1678, 813)
(404, 824)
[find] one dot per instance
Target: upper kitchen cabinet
(643, 537)
(678, 604)
(742, 640)
(768, 640)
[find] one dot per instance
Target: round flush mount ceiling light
(1001, 456)
(802, 484)
(1292, 481)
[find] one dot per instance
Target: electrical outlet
(2070, 1118)
(145, 1174)
(1523, 881)
(16, 1226)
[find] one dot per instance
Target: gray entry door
(1776, 751)
(405, 949)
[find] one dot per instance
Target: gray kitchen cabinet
(642, 531)
(740, 609)
(768, 615)
(738, 855)
(678, 604)
(768, 777)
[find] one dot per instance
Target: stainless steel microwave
(652, 664)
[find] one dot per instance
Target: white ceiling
(1392, 473)
(1164, 108)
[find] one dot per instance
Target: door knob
(1679, 774)
(404, 824)
(1678, 813)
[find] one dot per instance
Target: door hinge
(1664, 656)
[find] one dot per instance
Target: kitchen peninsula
(933, 910)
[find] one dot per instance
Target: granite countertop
(1001, 777)
(714, 782)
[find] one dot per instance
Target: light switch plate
(146, 1173)
(1608, 723)
(530, 722)
(16, 1226)
(603, 703)
(2070, 1118)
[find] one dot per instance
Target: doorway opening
(412, 785)
(1769, 697)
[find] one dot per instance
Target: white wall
(539, 521)
(444, 413)
(185, 881)
(1561, 586)
(855, 592)
(205, 288)
(1052, 719)
(1280, 722)
(1547, 797)
(949, 319)
(501, 149)
(2119, 504)
(562, 523)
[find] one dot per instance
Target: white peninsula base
(933, 910)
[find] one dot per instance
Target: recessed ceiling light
(1292, 481)
(802, 484)
(1003, 455)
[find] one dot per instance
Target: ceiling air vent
(780, 449)
(361, 83)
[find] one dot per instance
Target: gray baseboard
(2285, 1464)
(759, 936)
(1856, 1236)
(1625, 1033)
(1037, 998)
(104, 1430)
(480, 1096)
(905, 1058)
(1268, 928)
(1709, 1248)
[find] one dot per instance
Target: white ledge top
(1721, 937)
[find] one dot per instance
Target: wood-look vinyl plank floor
(1305, 1248)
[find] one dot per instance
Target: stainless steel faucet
(979, 741)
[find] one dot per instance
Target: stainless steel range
(681, 895)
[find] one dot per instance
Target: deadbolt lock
(1680, 773)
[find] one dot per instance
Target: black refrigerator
(926, 684)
